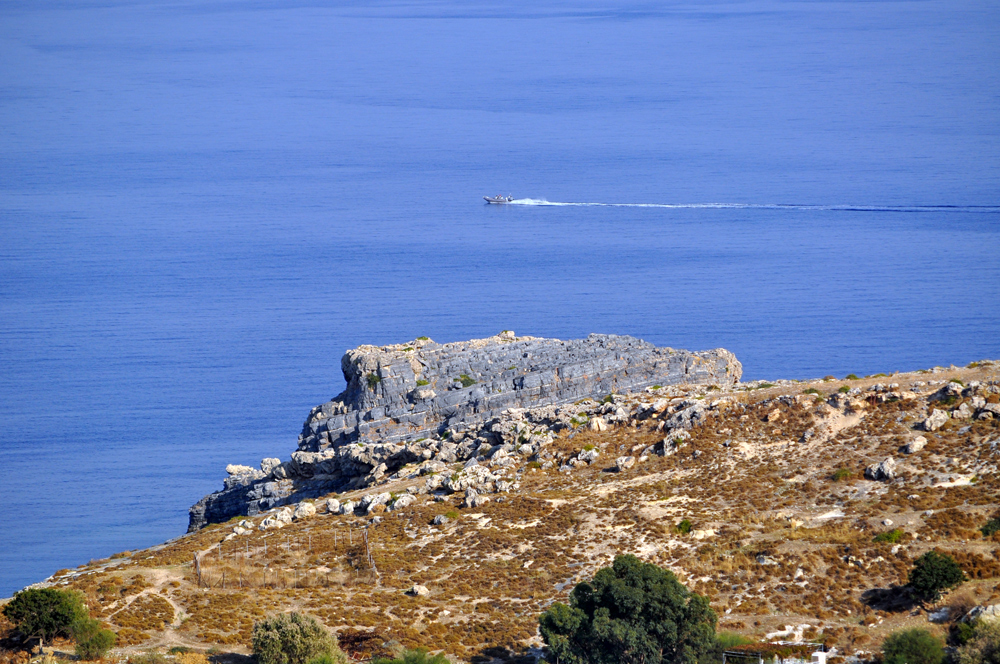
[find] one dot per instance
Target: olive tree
(632, 612)
(294, 638)
(912, 646)
(45, 613)
(932, 573)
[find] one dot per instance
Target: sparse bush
(851, 377)
(632, 612)
(466, 380)
(293, 638)
(684, 527)
(934, 572)
(841, 474)
(45, 613)
(92, 641)
(373, 380)
(992, 526)
(421, 382)
(983, 647)
(811, 390)
(418, 656)
(844, 389)
(912, 646)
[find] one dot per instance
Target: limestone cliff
(417, 401)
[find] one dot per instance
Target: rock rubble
(424, 405)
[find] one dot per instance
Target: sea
(204, 203)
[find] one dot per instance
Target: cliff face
(427, 401)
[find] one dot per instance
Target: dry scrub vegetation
(783, 529)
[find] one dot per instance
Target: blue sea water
(204, 203)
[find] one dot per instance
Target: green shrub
(890, 536)
(728, 640)
(608, 399)
(45, 613)
(293, 638)
(811, 390)
(764, 386)
(373, 380)
(92, 642)
(418, 656)
(852, 377)
(632, 612)
(466, 380)
(684, 527)
(983, 647)
(844, 389)
(451, 514)
(423, 382)
(841, 474)
(992, 526)
(955, 380)
(912, 646)
(423, 338)
(932, 573)
(178, 650)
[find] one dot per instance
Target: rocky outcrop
(422, 401)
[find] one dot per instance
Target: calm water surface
(203, 204)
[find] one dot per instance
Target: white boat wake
(767, 206)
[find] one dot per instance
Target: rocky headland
(440, 403)
(797, 508)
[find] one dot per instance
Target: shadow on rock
(895, 599)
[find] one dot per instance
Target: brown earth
(778, 536)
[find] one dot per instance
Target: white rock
(332, 505)
(419, 590)
(886, 522)
(267, 465)
(347, 507)
(624, 463)
(403, 501)
(284, 515)
(935, 420)
(270, 523)
(589, 456)
(915, 445)
(884, 471)
(236, 469)
(598, 424)
(304, 511)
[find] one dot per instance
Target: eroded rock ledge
(424, 401)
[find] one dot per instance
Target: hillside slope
(759, 499)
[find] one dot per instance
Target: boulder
(236, 469)
(268, 465)
(915, 445)
(440, 520)
(882, 472)
(589, 456)
(419, 591)
(304, 511)
(403, 501)
(935, 420)
(598, 424)
(988, 613)
(347, 507)
(623, 463)
(333, 506)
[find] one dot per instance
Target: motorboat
(498, 199)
